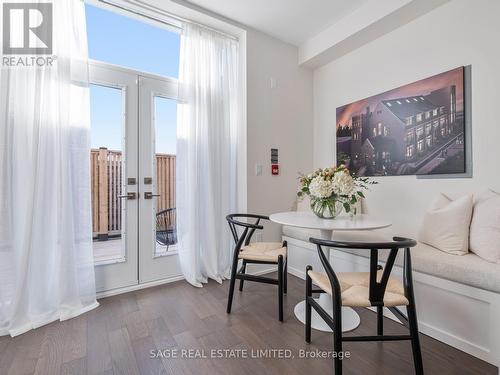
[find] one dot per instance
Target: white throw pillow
(485, 227)
(446, 224)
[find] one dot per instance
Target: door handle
(150, 195)
(129, 196)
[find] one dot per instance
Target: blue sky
(120, 40)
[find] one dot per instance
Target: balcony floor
(106, 251)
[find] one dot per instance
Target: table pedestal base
(350, 319)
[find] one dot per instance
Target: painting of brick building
(414, 129)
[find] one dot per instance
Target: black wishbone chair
(257, 253)
(166, 232)
(365, 289)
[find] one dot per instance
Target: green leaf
(360, 193)
(347, 207)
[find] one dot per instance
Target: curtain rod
(164, 13)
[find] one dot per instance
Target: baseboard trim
(132, 288)
(265, 271)
(296, 272)
(150, 284)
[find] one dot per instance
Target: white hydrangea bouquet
(333, 190)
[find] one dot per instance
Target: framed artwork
(415, 129)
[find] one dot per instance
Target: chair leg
(243, 270)
(231, 286)
(337, 338)
(415, 341)
(308, 305)
(285, 282)
(380, 320)
(280, 287)
(285, 277)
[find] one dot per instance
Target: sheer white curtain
(46, 265)
(207, 123)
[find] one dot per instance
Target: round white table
(307, 219)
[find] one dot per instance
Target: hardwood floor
(118, 337)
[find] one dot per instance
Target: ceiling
(293, 21)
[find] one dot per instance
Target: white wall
(275, 118)
(280, 118)
(458, 33)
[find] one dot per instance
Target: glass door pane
(165, 126)
(107, 178)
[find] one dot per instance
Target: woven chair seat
(263, 251)
(355, 288)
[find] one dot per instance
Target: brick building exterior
(403, 130)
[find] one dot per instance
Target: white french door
(133, 176)
(157, 212)
(114, 165)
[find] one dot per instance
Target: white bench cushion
(466, 269)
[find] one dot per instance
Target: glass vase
(326, 208)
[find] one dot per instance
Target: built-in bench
(458, 297)
(465, 269)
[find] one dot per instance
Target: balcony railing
(106, 187)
